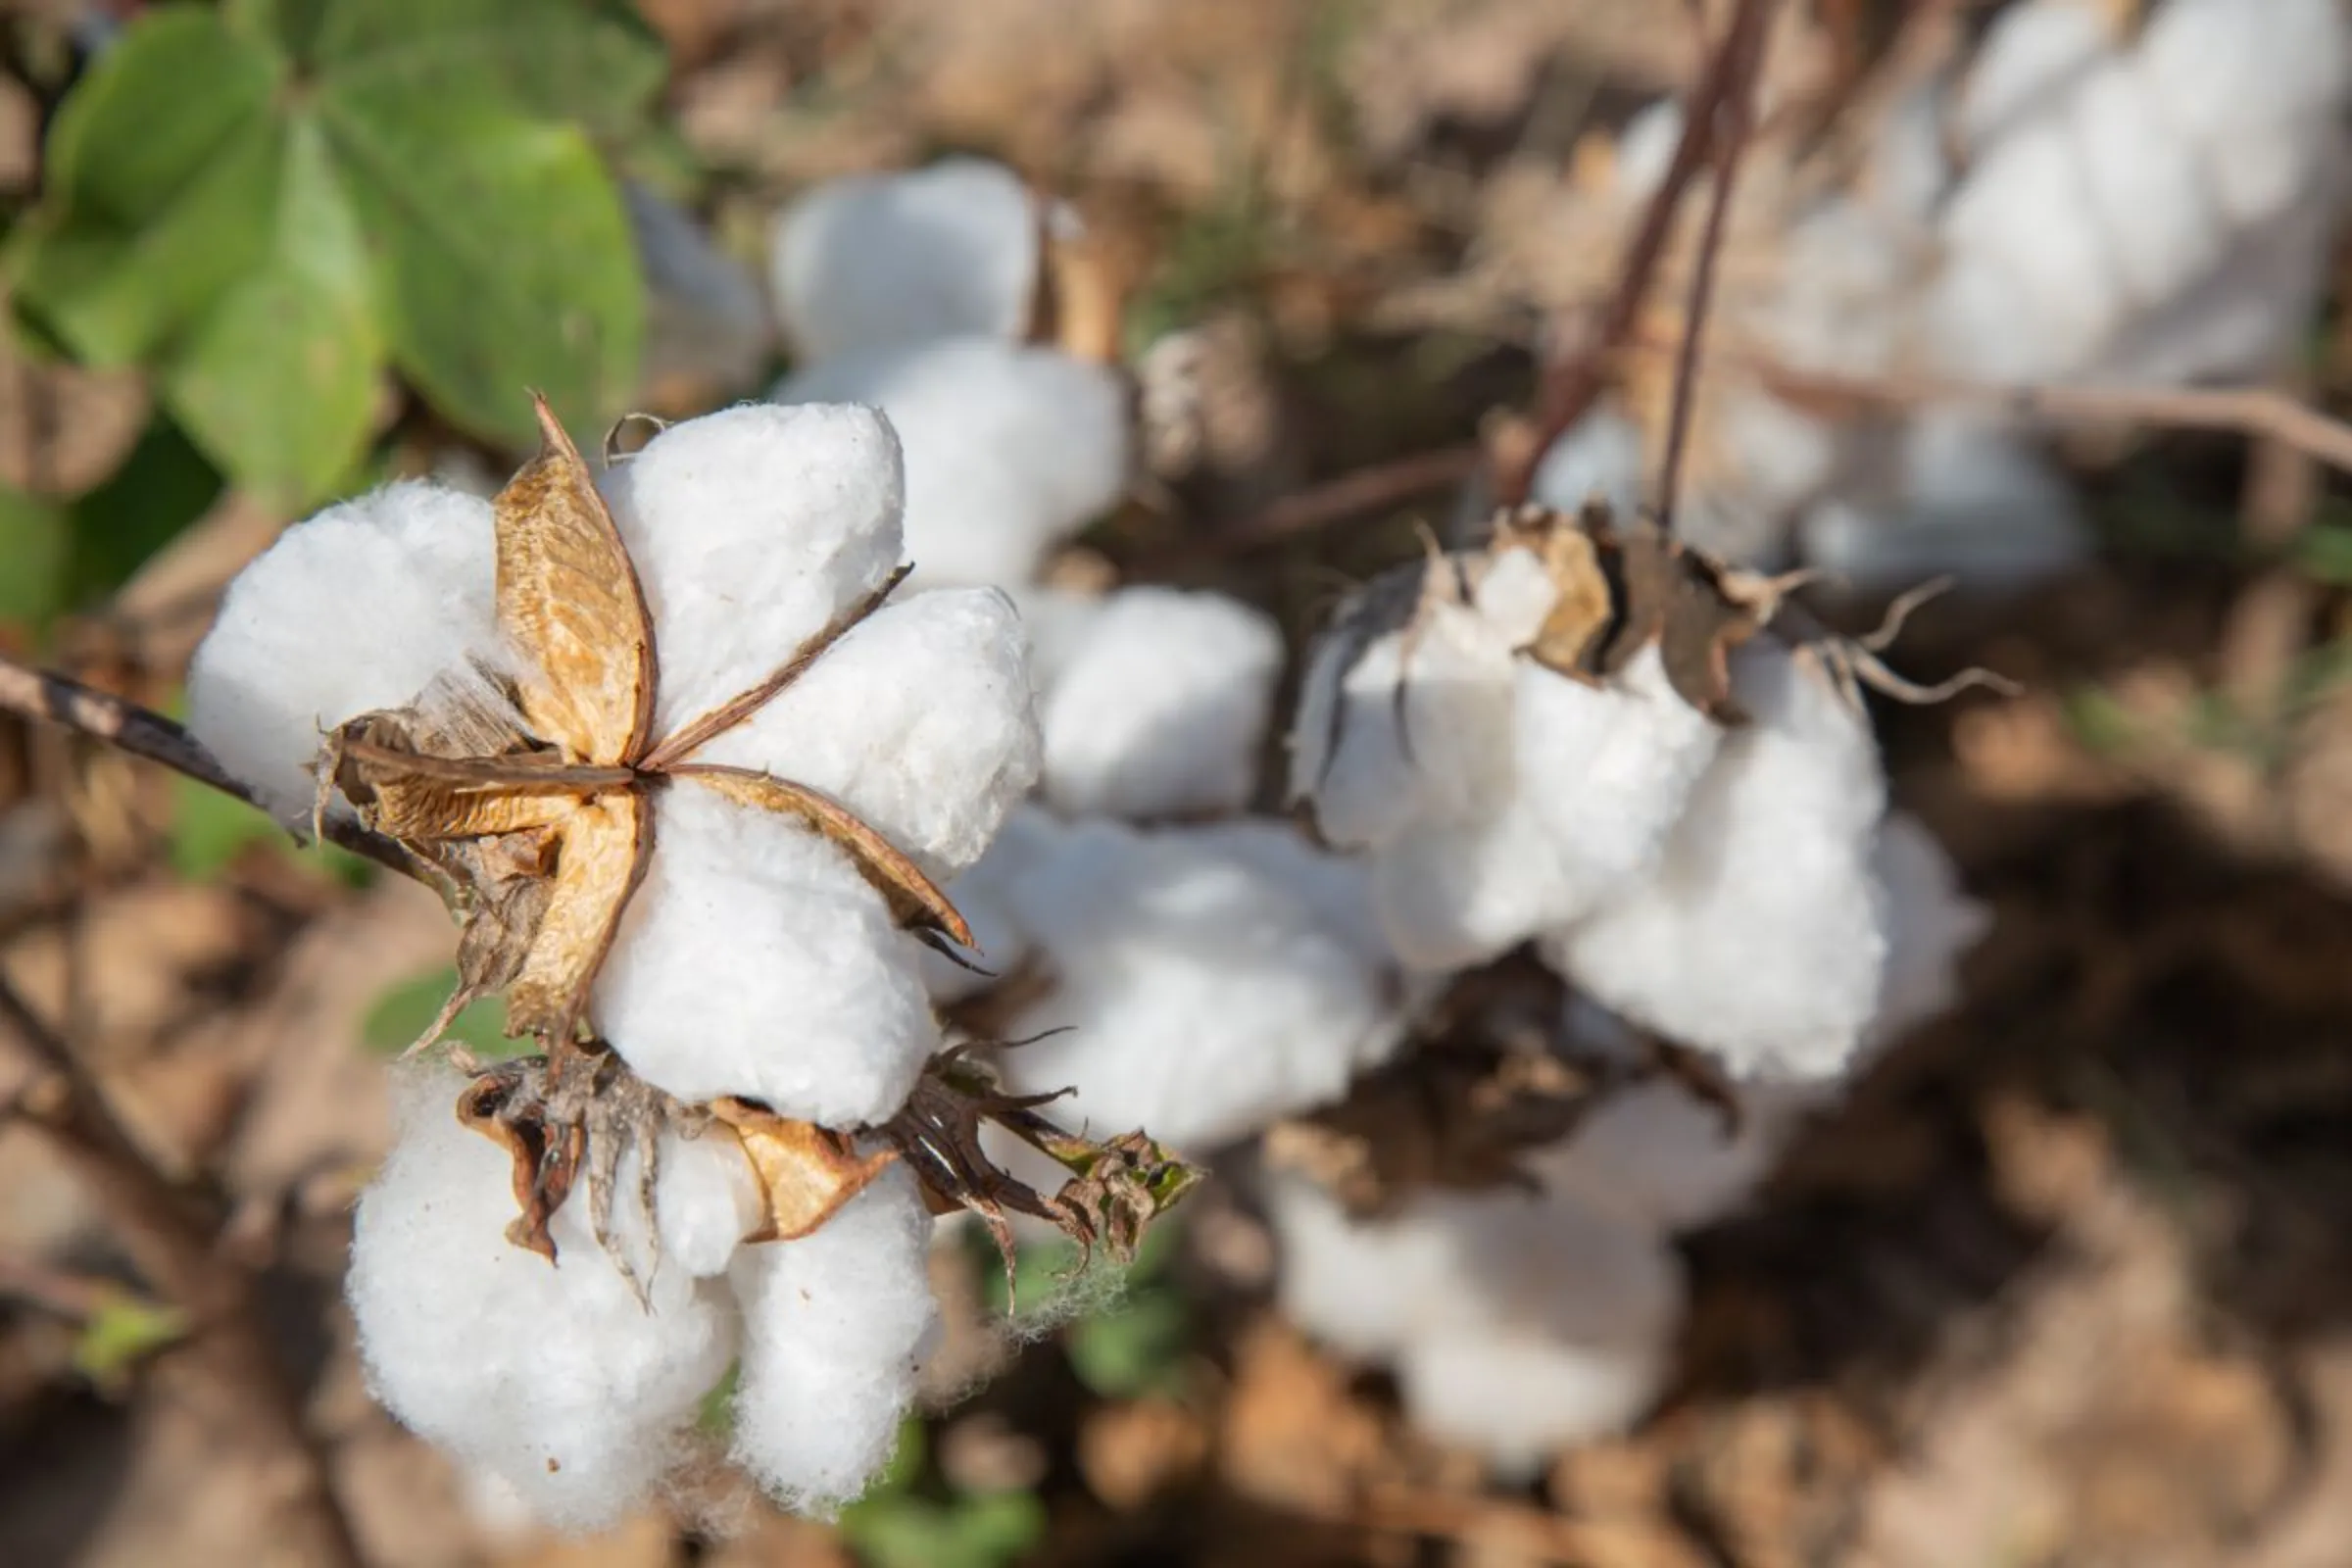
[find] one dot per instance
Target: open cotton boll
(1357, 1285)
(835, 1326)
(1008, 449)
(1202, 997)
(554, 1376)
(2020, 227)
(1516, 1396)
(983, 895)
(295, 652)
(1973, 499)
(1759, 936)
(1660, 1155)
(1162, 705)
(2219, 66)
(754, 960)
(2032, 56)
(1596, 458)
(705, 1201)
(2145, 186)
(919, 721)
(752, 530)
(882, 260)
(1929, 925)
(1371, 763)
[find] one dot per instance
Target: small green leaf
(124, 1332)
(1135, 1348)
(34, 547)
(987, 1531)
(210, 829)
(715, 1415)
(504, 251)
(278, 380)
(402, 1014)
(591, 61)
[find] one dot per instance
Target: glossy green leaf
(504, 256)
(278, 382)
(401, 1015)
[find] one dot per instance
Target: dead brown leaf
(805, 1172)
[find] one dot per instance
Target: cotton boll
(919, 721)
(359, 608)
(1057, 621)
(1660, 1155)
(2146, 188)
(705, 1201)
(1162, 706)
(983, 895)
(2241, 316)
(885, 260)
(1008, 449)
(1518, 1396)
(753, 528)
(1596, 458)
(835, 1326)
(1456, 894)
(554, 1376)
(2032, 57)
(2019, 219)
(754, 960)
(2218, 69)
(1371, 762)
(1758, 937)
(1514, 594)
(1930, 924)
(1355, 1284)
(1331, 886)
(1202, 997)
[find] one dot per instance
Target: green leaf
(161, 487)
(279, 382)
(504, 252)
(987, 1531)
(34, 545)
(1136, 1347)
(210, 829)
(591, 61)
(402, 1014)
(124, 1332)
(159, 172)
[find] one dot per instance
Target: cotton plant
(918, 293)
(692, 781)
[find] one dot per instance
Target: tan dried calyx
(530, 801)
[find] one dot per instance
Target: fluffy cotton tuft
(295, 650)
(1929, 925)
(705, 1201)
(1008, 449)
(752, 530)
(1162, 706)
(835, 1326)
(1203, 991)
(754, 960)
(1759, 935)
(885, 260)
(552, 1376)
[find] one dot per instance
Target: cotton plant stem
(236, 1381)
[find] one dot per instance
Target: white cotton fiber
(1596, 458)
(1453, 893)
(554, 1376)
(983, 895)
(1360, 1286)
(751, 529)
(356, 609)
(2018, 226)
(919, 721)
(1162, 706)
(835, 1326)
(705, 1201)
(1517, 1395)
(754, 960)
(1659, 1155)
(1931, 923)
(1008, 449)
(1759, 936)
(883, 261)
(1204, 995)
(2146, 187)
(1372, 761)
(2033, 56)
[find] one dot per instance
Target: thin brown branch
(1350, 495)
(170, 1236)
(1743, 53)
(1576, 374)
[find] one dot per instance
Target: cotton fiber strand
(552, 1376)
(295, 652)
(1008, 449)
(835, 1327)
(1162, 706)
(886, 261)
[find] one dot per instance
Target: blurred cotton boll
(554, 1376)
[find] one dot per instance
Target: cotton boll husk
(1929, 925)
(754, 960)
(1517, 1395)
(705, 1201)
(1596, 458)
(835, 1327)
(357, 609)
(552, 1376)
(982, 895)
(1368, 778)
(1202, 997)
(1008, 449)
(1973, 499)
(753, 528)
(882, 260)
(1758, 937)
(920, 720)
(2032, 57)
(1162, 706)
